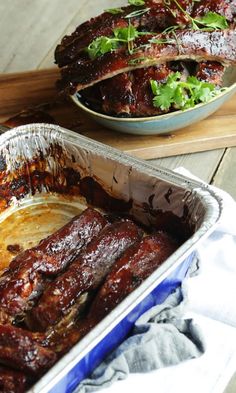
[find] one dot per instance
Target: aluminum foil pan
(48, 174)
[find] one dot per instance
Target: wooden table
(29, 31)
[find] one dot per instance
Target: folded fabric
(160, 338)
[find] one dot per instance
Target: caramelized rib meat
(132, 268)
(198, 45)
(12, 381)
(19, 350)
(130, 93)
(211, 72)
(128, 272)
(156, 18)
(225, 8)
(28, 273)
(85, 273)
(59, 249)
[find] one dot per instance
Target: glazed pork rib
(57, 250)
(30, 271)
(211, 72)
(132, 268)
(85, 273)
(150, 17)
(195, 45)
(127, 273)
(130, 93)
(226, 8)
(19, 350)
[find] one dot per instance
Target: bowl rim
(179, 112)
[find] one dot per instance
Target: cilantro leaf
(212, 20)
(126, 33)
(100, 46)
(165, 98)
(121, 35)
(154, 87)
(181, 94)
(136, 2)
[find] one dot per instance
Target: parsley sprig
(181, 94)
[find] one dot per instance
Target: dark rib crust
(29, 272)
(211, 72)
(225, 8)
(157, 18)
(85, 273)
(128, 272)
(196, 45)
(33, 352)
(130, 93)
(19, 349)
(12, 381)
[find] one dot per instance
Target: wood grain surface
(19, 91)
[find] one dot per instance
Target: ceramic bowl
(161, 124)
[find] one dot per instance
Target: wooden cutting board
(37, 88)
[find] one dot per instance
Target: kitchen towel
(161, 337)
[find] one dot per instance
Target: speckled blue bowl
(162, 124)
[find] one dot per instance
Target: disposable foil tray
(48, 174)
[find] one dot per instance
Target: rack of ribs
(111, 84)
(29, 273)
(129, 93)
(136, 264)
(109, 267)
(197, 45)
(153, 16)
(85, 273)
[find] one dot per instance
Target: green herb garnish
(121, 35)
(211, 20)
(114, 10)
(134, 14)
(126, 34)
(170, 29)
(181, 94)
(136, 2)
(101, 45)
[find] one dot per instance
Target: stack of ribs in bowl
(53, 294)
(118, 61)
